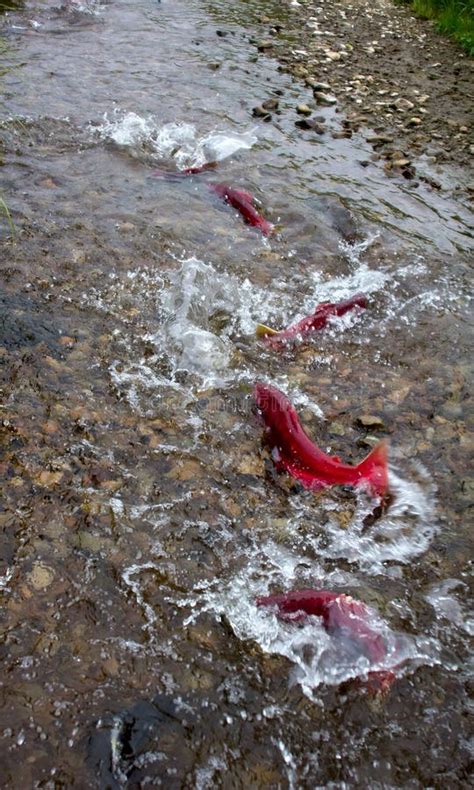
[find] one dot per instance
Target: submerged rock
(325, 99)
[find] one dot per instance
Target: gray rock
(303, 109)
(370, 421)
(311, 123)
(379, 139)
(320, 87)
(402, 104)
(260, 112)
(325, 98)
(271, 104)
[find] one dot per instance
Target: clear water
(141, 515)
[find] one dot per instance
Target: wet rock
(311, 123)
(49, 479)
(370, 421)
(251, 465)
(342, 134)
(379, 139)
(186, 470)
(264, 44)
(337, 428)
(303, 109)
(318, 87)
(368, 441)
(213, 66)
(402, 105)
(261, 112)
(413, 122)
(119, 746)
(271, 104)
(325, 99)
(344, 518)
(40, 577)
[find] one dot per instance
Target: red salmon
(243, 201)
(311, 323)
(342, 617)
(293, 451)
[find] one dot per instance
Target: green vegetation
(6, 212)
(454, 17)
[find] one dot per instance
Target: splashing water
(178, 141)
(317, 657)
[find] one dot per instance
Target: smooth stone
(40, 576)
(403, 104)
(370, 421)
(325, 98)
(319, 87)
(271, 104)
(260, 112)
(379, 139)
(303, 109)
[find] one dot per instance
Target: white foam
(179, 141)
(317, 657)
(404, 532)
(447, 606)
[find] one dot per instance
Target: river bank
(393, 75)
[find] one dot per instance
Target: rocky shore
(390, 75)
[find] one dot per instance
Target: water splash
(317, 657)
(402, 533)
(447, 606)
(178, 141)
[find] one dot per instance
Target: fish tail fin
(266, 227)
(265, 331)
(373, 470)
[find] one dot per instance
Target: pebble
(370, 421)
(325, 98)
(414, 121)
(271, 104)
(40, 576)
(402, 104)
(379, 139)
(368, 441)
(264, 44)
(261, 112)
(318, 87)
(303, 109)
(311, 123)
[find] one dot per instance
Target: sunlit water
(141, 514)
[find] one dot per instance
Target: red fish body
(295, 453)
(340, 613)
(318, 320)
(243, 202)
(342, 616)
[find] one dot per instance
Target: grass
(454, 17)
(5, 210)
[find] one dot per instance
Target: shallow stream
(140, 514)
